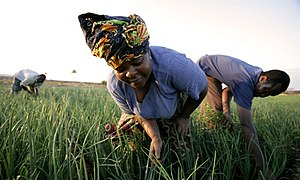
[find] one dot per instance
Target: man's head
(272, 83)
(41, 78)
(117, 39)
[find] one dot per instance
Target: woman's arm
(188, 108)
(151, 128)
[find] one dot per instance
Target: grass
(60, 135)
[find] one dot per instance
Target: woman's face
(135, 72)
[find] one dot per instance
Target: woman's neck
(140, 93)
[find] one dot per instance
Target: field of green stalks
(60, 135)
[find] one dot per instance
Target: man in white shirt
(27, 80)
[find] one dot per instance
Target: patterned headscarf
(117, 39)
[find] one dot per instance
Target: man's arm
(28, 84)
(29, 81)
(250, 137)
(28, 89)
(226, 98)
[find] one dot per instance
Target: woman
(151, 83)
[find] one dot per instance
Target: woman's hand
(125, 119)
(183, 125)
(155, 149)
(151, 128)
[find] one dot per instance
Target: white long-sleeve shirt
(27, 77)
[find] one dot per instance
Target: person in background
(27, 80)
(243, 82)
(153, 84)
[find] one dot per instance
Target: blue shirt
(239, 76)
(172, 74)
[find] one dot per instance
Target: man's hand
(24, 88)
(35, 91)
(183, 125)
(28, 89)
(227, 122)
(270, 175)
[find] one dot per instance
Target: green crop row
(60, 135)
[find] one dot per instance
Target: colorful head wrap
(115, 38)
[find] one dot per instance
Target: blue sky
(45, 36)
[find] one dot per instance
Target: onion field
(60, 135)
